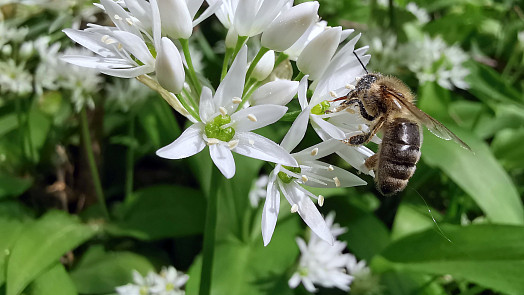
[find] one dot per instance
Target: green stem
(255, 61)
(240, 41)
(299, 76)
(209, 234)
(91, 162)
(225, 65)
(281, 57)
(192, 74)
(130, 158)
(251, 87)
(191, 111)
(21, 125)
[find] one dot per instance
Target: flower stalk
(255, 61)
(192, 74)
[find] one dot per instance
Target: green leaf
(507, 148)
(11, 186)
(39, 126)
(250, 268)
(8, 123)
(40, 245)
(488, 255)
(99, 272)
(162, 211)
(157, 120)
(410, 219)
(55, 281)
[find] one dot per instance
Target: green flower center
(321, 108)
(287, 178)
(214, 128)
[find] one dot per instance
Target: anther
(294, 208)
(333, 94)
(304, 178)
(349, 86)
(117, 17)
(252, 117)
(251, 142)
(129, 21)
(232, 144)
(337, 181)
(331, 168)
(320, 200)
(223, 111)
(212, 141)
(119, 46)
(314, 151)
(236, 100)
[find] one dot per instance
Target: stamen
(212, 141)
(251, 142)
(119, 46)
(304, 178)
(314, 151)
(337, 181)
(252, 117)
(349, 86)
(294, 208)
(108, 40)
(223, 111)
(117, 17)
(236, 100)
(232, 144)
(350, 110)
(320, 200)
(129, 21)
(331, 168)
(333, 94)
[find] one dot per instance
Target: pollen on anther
(232, 144)
(331, 168)
(304, 178)
(107, 40)
(320, 200)
(236, 100)
(337, 181)
(117, 17)
(314, 151)
(349, 86)
(333, 94)
(212, 141)
(252, 117)
(129, 21)
(223, 111)
(119, 46)
(251, 142)
(294, 208)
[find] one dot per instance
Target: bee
(388, 104)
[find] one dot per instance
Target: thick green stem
(225, 65)
(208, 248)
(240, 41)
(255, 61)
(88, 146)
(299, 76)
(192, 74)
(130, 164)
(281, 57)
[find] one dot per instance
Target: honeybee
(387, 103)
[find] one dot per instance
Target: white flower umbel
(226, 129)
(310, 172)
(141, 285)
(252, 17)
(169, 282)
(322, 264)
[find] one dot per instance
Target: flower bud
(315, 57)
(289, 26)
(175, 18)
(231, 38)
(169, 68)
(279, 92)
(264, 66)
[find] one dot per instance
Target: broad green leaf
(507, 148)
(162, 211)
(39, 126)
(488, 255)
(8, 123)
(99, 272)
(159, 123)
(250, 268)
(410, 219)
(55, 281)
(478, 173)
(40, 245)
(11, 186)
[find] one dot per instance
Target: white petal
(207, 106)
(315, 57)
(91, 41)
(96, 62)
(271, 208)
(287, 28)
(279, 92)
(325, 148)
(244, 16)
(223, 159)
(169, 67)
(356, 157)
(256, 146)
(140, 9)
(302, 92)
(297, 131)
(136, 46)
(206, 13)
(176, 20)
(193, 6)
(329, 128)
(264, 66)
(157, 23)
(233, 84)
(128, 73)
(257, 116)
(119, 17)
(346, 178)
(308, 211)
(294, 281)
(190, 142)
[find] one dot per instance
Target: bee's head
(366, 81)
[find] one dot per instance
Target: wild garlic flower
(225, 128)
(322, 264)
(420, 13)
(14, 77)
(168, 282)
(258, 190)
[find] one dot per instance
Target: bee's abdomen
(399, 154)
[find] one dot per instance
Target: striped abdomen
(398, 155)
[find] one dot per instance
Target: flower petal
(169, 67)
(302, 92)
(315, 57)
(297, 131)
(190, 142)
(207, 106)
(223, 159)
(206, 13)
(136, 46)
(329, 128)
(256, 146)
(91, 41)
(257, 116)
(175, 19)
(279, 92)
(128, 73)
(346, 178)
(120, 17)
(233, 84)
(271, 208)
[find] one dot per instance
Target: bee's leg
(363, 112)
(371, 162)
(364, 138)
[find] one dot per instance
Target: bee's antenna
(363, 66)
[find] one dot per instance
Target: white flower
(14, 78)
(141, 285)
(226, 129)
(169, 282)
(289, 26)
(279, 92)
(264, 66)
(258, 190)
(169, 67)
(421, 14)
(322, 264)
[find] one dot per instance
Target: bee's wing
(433, 125)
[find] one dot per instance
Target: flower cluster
(150, 41)
(168, 282)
